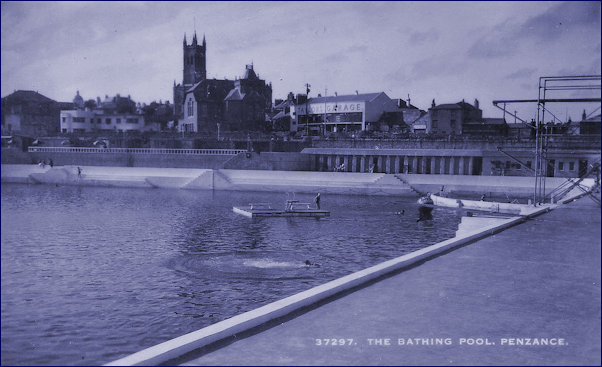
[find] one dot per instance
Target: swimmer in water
(309, 263)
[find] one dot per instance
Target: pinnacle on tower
(194, 42)
(184, 38)
(204, 43)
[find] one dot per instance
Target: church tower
(195, 66)
(195, 70)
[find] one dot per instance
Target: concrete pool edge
(222, 330)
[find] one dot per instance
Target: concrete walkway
(540, 279)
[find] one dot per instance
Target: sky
(448, 51)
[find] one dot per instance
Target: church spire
(204, 43)
(194, 42)
(184, 38)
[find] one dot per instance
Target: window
(190, 107)
(132, 120)
(434, 124)
(561, 166)
(452, 124)
(79, 119)
(108, 121)
(571, 166)
(64, 119)
(118, 120)
(507, 164)
(529, 164)
(98, 120)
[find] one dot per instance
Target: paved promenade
(538, 280)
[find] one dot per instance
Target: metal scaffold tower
(571, 85)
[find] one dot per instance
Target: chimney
(476, 103)
(356, 93)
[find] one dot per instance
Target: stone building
(30, 113)
(590, 126)
(204, 105)
(449, 118)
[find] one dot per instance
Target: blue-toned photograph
(330, 183)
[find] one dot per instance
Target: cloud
(521, 73)
(437, 66)
(344, 55)
(592, 68)
(507, 38)
(562, 18)
(418, 38)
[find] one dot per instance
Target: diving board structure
(293, 208)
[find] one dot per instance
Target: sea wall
(275, 181)
(132, 159)
(280, 161)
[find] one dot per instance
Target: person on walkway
(79, 172)
(51, 163)
(317, 200)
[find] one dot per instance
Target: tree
(91, 104)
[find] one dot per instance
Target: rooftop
(366, 97)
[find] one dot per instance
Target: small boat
(292, 208)
(488, 206)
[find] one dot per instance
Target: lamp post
(307, 109)
(324, 122)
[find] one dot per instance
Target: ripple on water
(93, 274)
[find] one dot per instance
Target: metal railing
(136, 150)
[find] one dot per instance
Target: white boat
(489, 206)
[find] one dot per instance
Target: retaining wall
(277, 181)
(133, 160)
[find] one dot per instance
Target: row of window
(561, 166)
(129, 120)
(509, 165)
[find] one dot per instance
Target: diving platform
(293, 208)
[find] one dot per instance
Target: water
(91, 274)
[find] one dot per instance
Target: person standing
(317, 200)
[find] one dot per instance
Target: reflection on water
(90, 275)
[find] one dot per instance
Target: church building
(205, 105)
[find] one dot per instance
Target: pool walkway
(538, 282)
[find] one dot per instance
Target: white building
(348, 112)
(80, 121)
(102, 118)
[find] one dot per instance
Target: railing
(136, 150)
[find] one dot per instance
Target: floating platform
(293, 208)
